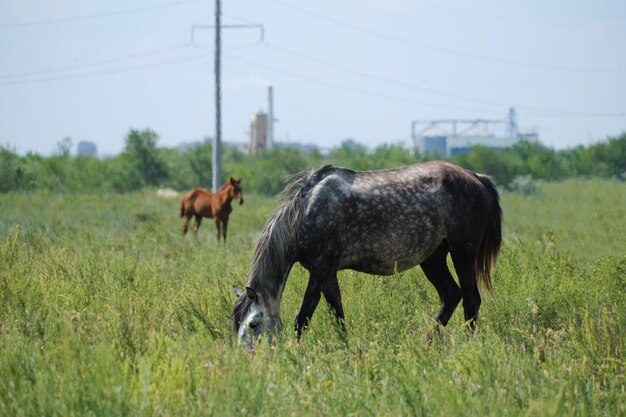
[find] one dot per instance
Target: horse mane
(223, 187)
(277, 245)
(275, 252)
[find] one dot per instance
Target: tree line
(144, 164)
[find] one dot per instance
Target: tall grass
(106, 310)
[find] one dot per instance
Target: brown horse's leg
(186, 225)
(465, 264)
(437, 272)
(217, 226)
(198, 222)
(224, 228)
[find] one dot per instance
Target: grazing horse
(200, 203)
(376, 222)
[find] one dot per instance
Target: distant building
(433, 140)
(305, 147)
(86, 148)
(188, 146)
(449, 137)
(258, 132)
(351, 143)
(239, 146)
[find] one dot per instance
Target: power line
(104, 72)
(422, 45)
(239, 19)
(95, 64)
(377, 77)
(31, 77)
(343, 86)
(542, 112)
(511, 19)
(95, 15)
(429, 90)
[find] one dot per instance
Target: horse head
(236, 191)
(252, 316)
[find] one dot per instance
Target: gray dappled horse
(377, 222)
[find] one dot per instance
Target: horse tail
(492, 240)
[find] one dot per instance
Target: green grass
(106, 310)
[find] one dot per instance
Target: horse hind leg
(198, 219)
(332, 294)
(436, 270)
(186, 225)
(465, 266)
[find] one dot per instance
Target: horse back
(390, 220)
(197, 202)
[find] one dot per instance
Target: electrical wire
(343, 86)
(539, 112)
(95, 16)
(376, 77)
(509, 19)
(105, 72)
(95, 64)
(436, 92)
(397, 39)
(31, 77)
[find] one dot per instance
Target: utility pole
(217, 140)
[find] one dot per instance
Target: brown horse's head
(235, 190)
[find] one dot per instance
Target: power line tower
(217, 140)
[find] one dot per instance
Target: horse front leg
(224, 228)
(317, 277)
(218, 227)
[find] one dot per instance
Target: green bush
(144, 164)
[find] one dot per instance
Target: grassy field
(106, 310)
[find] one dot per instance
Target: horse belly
(204, 210)
(372, 226)
(390, 252)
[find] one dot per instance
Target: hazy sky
(92, 70)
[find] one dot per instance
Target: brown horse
(200, 203)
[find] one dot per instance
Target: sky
(339, 69)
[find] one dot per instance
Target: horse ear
(237, 291)
(233, 180)
(239, 181)
(252, 295)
